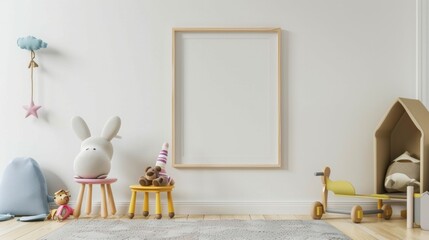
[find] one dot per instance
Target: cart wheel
(387, 211)
(317, 210)
(356, 214)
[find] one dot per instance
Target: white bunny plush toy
(95, 155)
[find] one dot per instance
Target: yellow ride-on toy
(346, 189)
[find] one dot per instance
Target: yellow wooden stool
(104, 184)
(147, 189)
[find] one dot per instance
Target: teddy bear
(61, 198)
(161, 181)
(151, 175)
(157, 175)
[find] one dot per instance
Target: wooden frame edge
(276, 30)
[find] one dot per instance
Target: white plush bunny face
(96, 144)
(93, 161)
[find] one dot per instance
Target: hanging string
(32, 65)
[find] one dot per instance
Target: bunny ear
(111, 128)
(80, 128)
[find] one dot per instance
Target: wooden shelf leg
(410, 207)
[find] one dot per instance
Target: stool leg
(76, 212)
(146, 204)
(132, 207)
(110, 199)
(158, 206)
(103, 201)
(170, 205)
(89, 200)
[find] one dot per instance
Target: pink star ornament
(32, 110)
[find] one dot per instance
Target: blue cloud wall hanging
(31, 44)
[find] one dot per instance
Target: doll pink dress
(67, 211)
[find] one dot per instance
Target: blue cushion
(39, 217)
(4, 217)
(23, 189)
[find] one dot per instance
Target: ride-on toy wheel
(356, 214)
(387, 211)
(317, 210)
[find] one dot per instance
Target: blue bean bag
(23, 190)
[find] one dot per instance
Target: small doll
(61, 198)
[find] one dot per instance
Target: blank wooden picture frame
(226, 98)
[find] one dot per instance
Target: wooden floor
(370, 228)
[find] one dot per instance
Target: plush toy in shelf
(95, 155)
(61, 198)
(402, 172)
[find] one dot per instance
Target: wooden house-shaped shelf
(404, 128)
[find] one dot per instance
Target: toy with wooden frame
(346, 189)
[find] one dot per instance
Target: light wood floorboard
(257, 217)
(196, 217)
(370, 228)
(211, 217)
(178, 217)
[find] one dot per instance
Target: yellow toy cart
(346, 189)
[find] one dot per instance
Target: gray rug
(196, 230)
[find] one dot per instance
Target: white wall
(344, 64)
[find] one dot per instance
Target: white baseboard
(271, 208)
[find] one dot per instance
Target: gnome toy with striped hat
(163, 178)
